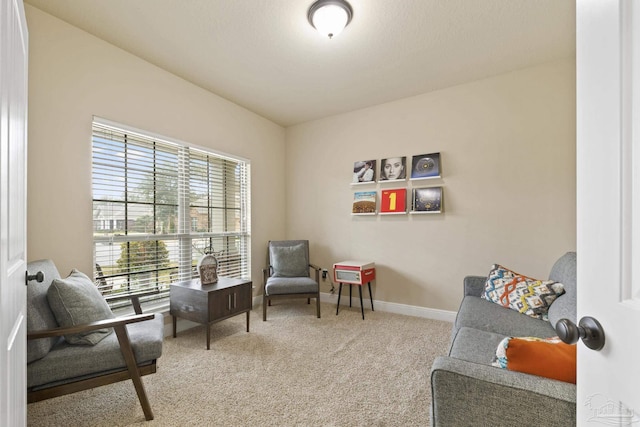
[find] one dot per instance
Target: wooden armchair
(287, 275)
(56, 367)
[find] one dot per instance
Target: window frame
(233, 241)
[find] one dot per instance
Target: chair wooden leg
(130, 360)
(264, 308)
(318, 305)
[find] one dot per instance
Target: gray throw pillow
(75, 300)
(289, 261)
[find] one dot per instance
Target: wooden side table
(208, 304)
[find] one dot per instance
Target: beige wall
(74, 76)
(507, 145)
(508, 155)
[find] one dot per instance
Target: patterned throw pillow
(521, 293)
(544, 357)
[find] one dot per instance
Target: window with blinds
(158, 207)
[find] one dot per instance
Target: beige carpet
(293, 370)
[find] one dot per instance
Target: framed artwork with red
(393, 201)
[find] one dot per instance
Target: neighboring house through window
(159, 205)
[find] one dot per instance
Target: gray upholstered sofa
(468, 391)
(55, 367)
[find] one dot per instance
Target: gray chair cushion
(67, 361)
(39, 315)
(76, 301)
(564, 271)
(289, 259)
(290, 285)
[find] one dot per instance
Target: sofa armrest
(100, 324)
(474, 285)
(464, 392)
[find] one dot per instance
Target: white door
(608, 175)
(13, 150)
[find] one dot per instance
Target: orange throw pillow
(545, 357)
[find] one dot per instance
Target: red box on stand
(354, 272)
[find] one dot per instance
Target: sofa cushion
(67, 361)
(564, 271)
(474, 345)
(39, 314)
(545, 357)
(75, 300)
(481, 314)
(524, 294)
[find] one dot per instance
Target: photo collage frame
(394, 201)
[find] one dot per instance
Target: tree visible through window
(158, 205)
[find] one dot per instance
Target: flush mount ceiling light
(330, 17)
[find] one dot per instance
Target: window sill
(158, 306)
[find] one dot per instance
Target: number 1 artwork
(393, 201)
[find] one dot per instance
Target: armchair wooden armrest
(100, 324)
(317, 270)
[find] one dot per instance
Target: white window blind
(158, 205)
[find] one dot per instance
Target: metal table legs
(361, 303)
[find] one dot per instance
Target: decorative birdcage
(208, 268)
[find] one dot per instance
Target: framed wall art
(364, 203)
(426, 166)
(427, 200)
(393, 169)
(393, 201)
(364, 172)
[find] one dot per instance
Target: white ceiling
(264, 55)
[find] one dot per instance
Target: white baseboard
(392, 307)
(257, 300)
